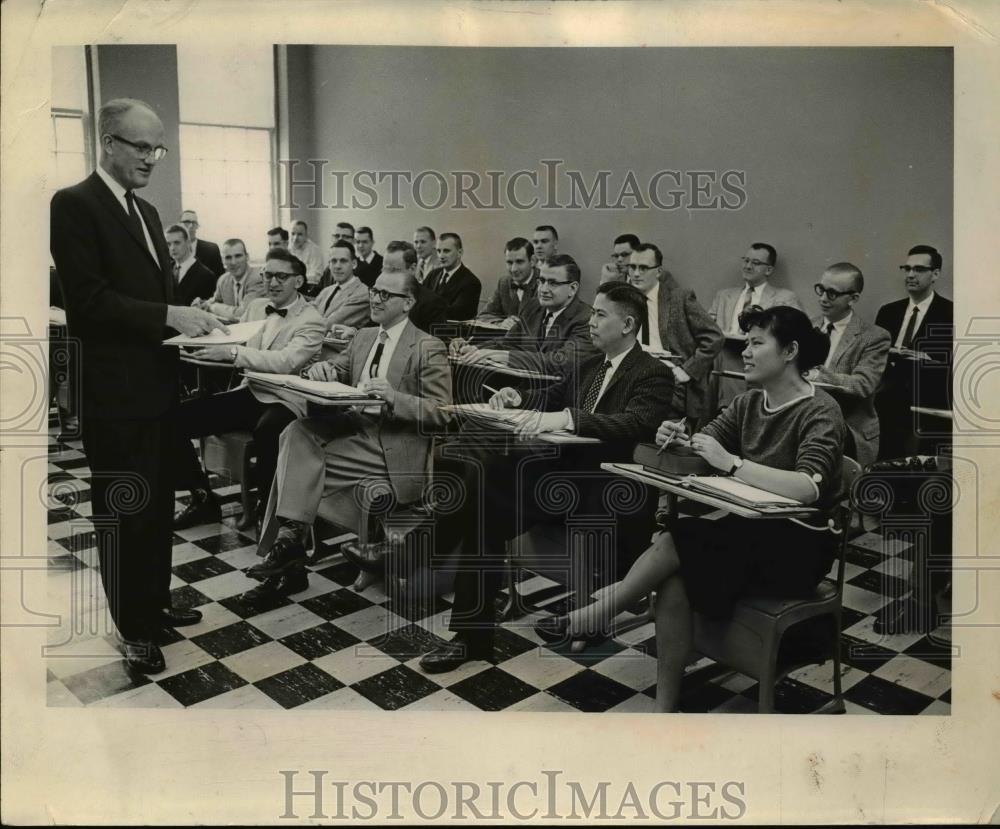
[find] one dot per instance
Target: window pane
(69, 134)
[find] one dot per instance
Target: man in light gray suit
(237, 286)
(344, 302)
(373, 447)
(756, 267)
(857, 359)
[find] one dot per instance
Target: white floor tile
(349, 666)
(542, 702)
(148, 696)
(226, 585)
(263, 661)
(629, 667)
(916, 675)
(343, 699)
(541, 668)
(443, 700)
(247, 696)
(370, 623)
(213, 617)
(183, 656)
(284, 621)
(862, 600)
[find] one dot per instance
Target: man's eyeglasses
(641, 269)
(385, 296)
(279, 275)
(916, 268)
(754, 263)
(147, 152)
(829, 293)
(553, 283)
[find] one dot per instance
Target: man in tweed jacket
(620, 397)
(515, 287)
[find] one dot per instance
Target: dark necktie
(377, 359)
(911, 326)
(748, 292)
(281, 312)
(594, 392)
(177, 273)
(133, 214)
(829, 329)
(329, 299)
(545, 325)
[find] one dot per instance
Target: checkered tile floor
(331, 647)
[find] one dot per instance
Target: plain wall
(148, 73)
(847, 151)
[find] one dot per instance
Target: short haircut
(279, 231)
(564, 260)
(343, 243)
(282, 255)
(189, 210)
(409, 252)
(629, 299)
(411, 285)
(927, 250)
(657, 255)
(428, 230)
(847, 269)
(230, 242)
(346, 226)
(179, 229)
(366, 230)
(520, 243)
(771, 252)
(788, 325)
(110, 115)
(305, 227)
(627, 239)
(552, 230)
(455, 236)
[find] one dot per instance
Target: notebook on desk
(330, 389)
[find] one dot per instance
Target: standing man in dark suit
(620, 397)
(515, 287)
(205, 252)
(678, 324)
(192, 280)
(369, 261)
(108, 248)
(454, 282)
(924, 323)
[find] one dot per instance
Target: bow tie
(281, 312)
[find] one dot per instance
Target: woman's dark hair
(788, 325)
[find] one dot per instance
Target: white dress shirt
(391, 342)
(755, 299)
(653, 310)
(835, 335)
(119, 193)
(921, 307)
(184, 267)
(312, 258)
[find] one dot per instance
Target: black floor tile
(79, 541)
(65, 563)
(407, 642)
(415, 608)
(592, 654)
(167, 636)
(201, 569)
(72, 497)
(399, 686)
(202, 683)
(104, 681)
(56, 516)
(187, 597)
(319, 641)
(234, 638)
(75, 463)
(591, 691)
(863, 655)
(793, 697)
(879, 583)
(647, 646)
(863, 557)
(254, 602)
(299, 685)
(224, 542)
(507, 644)
(886, 697)
(493, 689)
(946, 696)
(335, 604)
(343, 572)
(57, 477)
(700, 699)
(931, 650)
(850, 617)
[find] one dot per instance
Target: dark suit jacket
(208, 254)
(567, 344)
(927, 384)
(461, 293)
(199, 282)
(429, 311)
(504, 302)
(116, 301)
(368, 272)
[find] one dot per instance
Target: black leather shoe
(142, 655)
(449, 655)
(203, 510)
(555, 630)
(291, 581)
(286, 553)
(172, 617)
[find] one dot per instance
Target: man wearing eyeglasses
(617, 269)
(381, 446)
(290, 337)
(919, 368)
(679, 325)
(756, 267)
(117, 280)
(856, 360)
(205, 252)
(552, 331)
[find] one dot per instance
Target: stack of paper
(330, 389)
(239, 333)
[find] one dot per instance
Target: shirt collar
(117, 190)
(368, 259)
(395, 330)
(290, 305)
(792, 402)
(617, 361)
(922, 305)
(841, 325)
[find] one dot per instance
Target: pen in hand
(670, 437)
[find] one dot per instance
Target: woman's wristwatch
(737, 464)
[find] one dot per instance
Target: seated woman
(786, 437)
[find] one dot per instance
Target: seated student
(618, 396)
(291, 337)
(858, 351)
(785, 437)
(516, 287)
(344, 302)
(617, 269)
(369, 260)
(456, 284)
(552, 331)
(371, 447)
(192, 280)
(237, 286)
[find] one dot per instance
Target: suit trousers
(132, 498)
(228, 412)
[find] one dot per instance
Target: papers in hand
(238, 334)
(330, 389)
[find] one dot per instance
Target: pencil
(490, 389)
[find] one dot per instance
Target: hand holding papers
(219, 334)
(193, 323)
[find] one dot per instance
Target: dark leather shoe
(172, 617)
(142, 655)
(449, 655)
(286, 553)
(291, 581)
(200, 511)
(555, 630)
